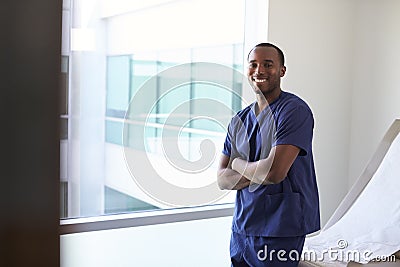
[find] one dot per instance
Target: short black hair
(280, 53)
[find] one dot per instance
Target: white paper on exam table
(372, 224)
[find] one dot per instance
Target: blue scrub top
(290, 208)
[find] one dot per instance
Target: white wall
(376, 88)
(194, 243)
(317, 45)
(343, 59)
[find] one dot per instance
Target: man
(268, 159)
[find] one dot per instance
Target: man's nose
(260, 69)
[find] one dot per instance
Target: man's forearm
(257, 172)
(229, 179)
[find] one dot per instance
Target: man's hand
(229, 179)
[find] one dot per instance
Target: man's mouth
(259, 80)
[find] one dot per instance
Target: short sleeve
(227, 150)
(295, 127)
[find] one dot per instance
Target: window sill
(144, 218)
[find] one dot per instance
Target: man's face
(265, 70)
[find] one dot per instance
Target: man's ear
(283, 71)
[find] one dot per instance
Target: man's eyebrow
(265, 60)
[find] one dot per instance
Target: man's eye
(253, 66)
(268, 65)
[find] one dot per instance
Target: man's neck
(264, 100)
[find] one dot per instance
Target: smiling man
(268, 159)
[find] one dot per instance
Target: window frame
(255, 31)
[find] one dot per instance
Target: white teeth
(259, 80)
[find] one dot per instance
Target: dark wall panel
(30, 44)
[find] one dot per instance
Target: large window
(149, 90)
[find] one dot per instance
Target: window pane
(118, 75)
(150, 100)
(64, 85)
(116, 202)
(114, 132)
